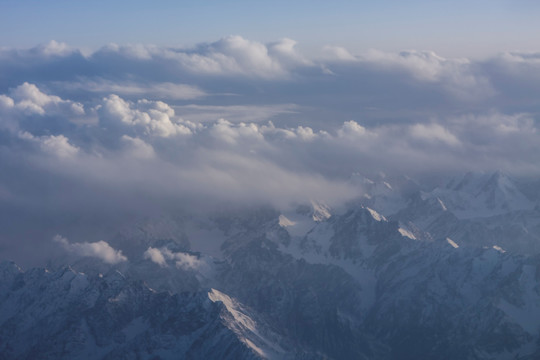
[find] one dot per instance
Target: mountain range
(407, 271)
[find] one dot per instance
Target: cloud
(456, 76)
(351, 129)
(54, 48)
(156, 256)
(164, 90)
(332, 53)
(139, 129)
(155, 117)
(180, 259)
(433, 133)
(231, 55)
(266, 163)
(236, 113)
(137, 147)
(59, 146)
(100, 250)
(28, 98)
(230, 133)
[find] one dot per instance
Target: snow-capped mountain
(70, 315)
(476, 209)
(310, 282)
(481, 195)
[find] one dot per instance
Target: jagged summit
(482, 195)
(308, 282)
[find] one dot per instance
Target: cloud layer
(130, 129)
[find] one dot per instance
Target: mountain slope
(69, 315)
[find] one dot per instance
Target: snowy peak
(386, 196)
(371, 187)
(482, 195)
(361, 234)
(315, 210)
(68, 315)
(252, 333)
(320, 212)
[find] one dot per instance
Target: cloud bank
(129, 129)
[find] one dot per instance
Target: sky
(112, 111)
(476, 28)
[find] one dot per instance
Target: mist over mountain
(236, 199)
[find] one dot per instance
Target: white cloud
(54, 48)
(138, 148)
(433, 133)
(32, 100)
(155, 117)
(352, 130)
(305, 133)
(231, 55)
(6, 102)
(181, 260)
(285, 51)
(333, 53)
(137, 51)
(231, 133)
(58, 145)
(164, 90)
(456, 76)
(156, 256)
(100, 250)
(124, 133)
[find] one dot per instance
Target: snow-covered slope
(482, 195)
(69, 315)
(475, 209)
(306, 283)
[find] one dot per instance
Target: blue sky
(451, 28)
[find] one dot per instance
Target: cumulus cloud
(30, 99)
(130, 129)
(27, 104)
(55, 48)
(137, 147)
(57, 145)
(231, 55)
(351, 129)
(180, 259)
(156, 256)
(100, 250)
(155, 117)
(457, 76)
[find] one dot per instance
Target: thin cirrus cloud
(165, 90)
(133, 129)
